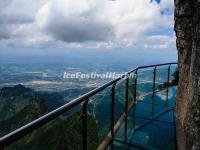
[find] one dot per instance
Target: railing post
(135, 97)
(84, 124)
(126, 105)
(168, 73)
(112, 112)
(168, 78)
(154, 87)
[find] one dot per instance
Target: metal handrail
(24, 130)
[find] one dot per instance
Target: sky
(59, 27)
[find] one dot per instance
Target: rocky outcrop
(187, 28)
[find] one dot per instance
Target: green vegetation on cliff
(20, 105)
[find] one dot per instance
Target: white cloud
(97, 20)
(74, 21)
(85, 23)
(159, 42)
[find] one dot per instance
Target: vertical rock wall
(187, 28)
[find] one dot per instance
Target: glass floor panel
(149, 126)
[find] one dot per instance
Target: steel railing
(84, 99)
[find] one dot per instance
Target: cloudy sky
(32, 25)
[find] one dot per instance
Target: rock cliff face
(187, 28)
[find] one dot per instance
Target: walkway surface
(150, 126)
